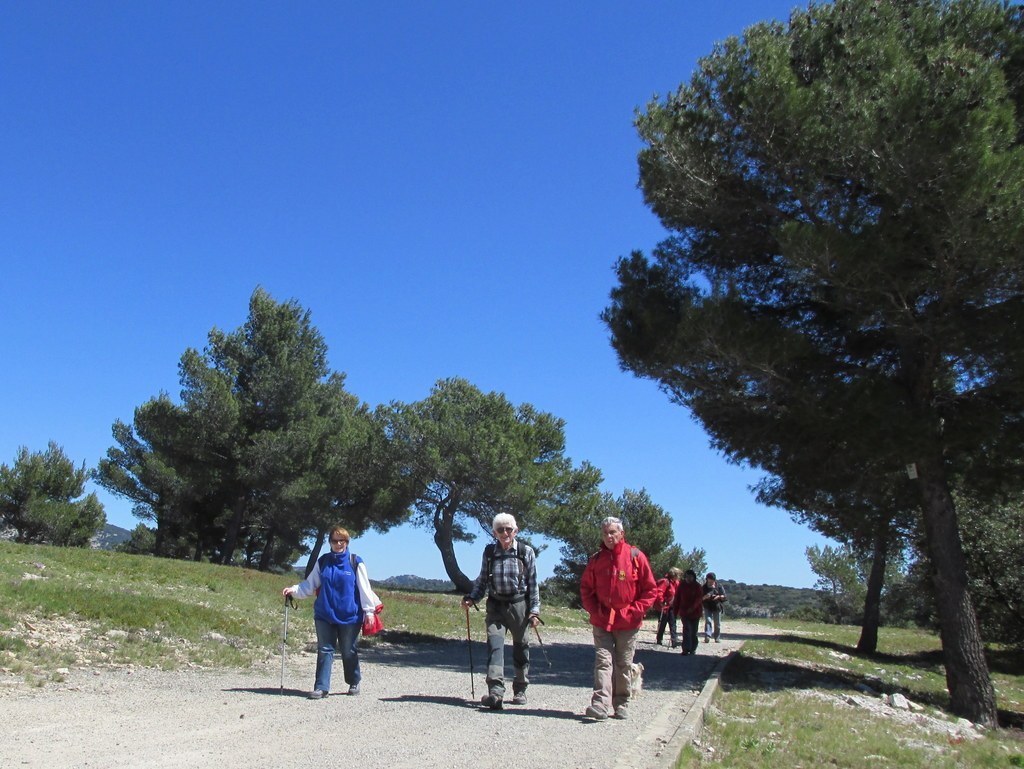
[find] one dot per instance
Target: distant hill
(765, 600)
(412, 582)
(744, 600)
(110, 537)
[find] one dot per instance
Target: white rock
(898, 701)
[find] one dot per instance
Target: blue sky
(445, 186)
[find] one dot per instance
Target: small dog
(636, 679)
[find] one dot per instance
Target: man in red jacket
(617, 589)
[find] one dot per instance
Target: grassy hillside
(63, 607)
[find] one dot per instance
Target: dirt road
(415, 710)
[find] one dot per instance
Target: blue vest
(338, 599)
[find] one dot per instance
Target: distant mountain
(110, 537)
(412, 582)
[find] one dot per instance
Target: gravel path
(415, 710)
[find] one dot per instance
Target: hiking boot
(353, 689)
(317, 694)
(707, 640)
(595, 713)
(519, 698)
(492, 701)
(621, 712)
(718, 640)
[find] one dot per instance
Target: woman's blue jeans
(341, 639)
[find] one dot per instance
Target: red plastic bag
(372, 623)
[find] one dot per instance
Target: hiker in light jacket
(343, 600)
(617, 588)
(508, 576)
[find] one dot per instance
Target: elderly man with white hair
(508, 576)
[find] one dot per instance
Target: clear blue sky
(445, 186)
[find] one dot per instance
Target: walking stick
(543, 650)
(469, 645)
(288, 604)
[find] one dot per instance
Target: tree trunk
(314, 552)
(443, 539)
(266, 557)
(868, 643)
(967, 677)
(231, 534)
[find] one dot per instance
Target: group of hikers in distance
(617, 589)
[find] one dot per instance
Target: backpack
(489, 551)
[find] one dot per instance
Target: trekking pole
(469, 645)
(543, 650)
(288, 604)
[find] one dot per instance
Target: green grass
(67, 607)
(789, 702)
(782, 702)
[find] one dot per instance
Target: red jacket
(666, 593)
(617, 588)
(689, 602)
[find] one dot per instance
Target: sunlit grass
(801, 700)
(62, 607)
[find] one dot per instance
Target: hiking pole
(469, 645)
(288, 604)
(543, 650)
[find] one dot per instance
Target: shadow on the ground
(455, 702)
(755, 674)
(557, 663)
(272, 690)
(459, 702)
(929, 660)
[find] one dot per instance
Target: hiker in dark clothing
(714, 597)
(689, 605)
(508, 576)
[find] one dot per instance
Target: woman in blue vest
(343, 599)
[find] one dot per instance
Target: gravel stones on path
(415, 710)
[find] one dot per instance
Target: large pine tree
(844, 275)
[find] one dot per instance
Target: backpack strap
(489, 551)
